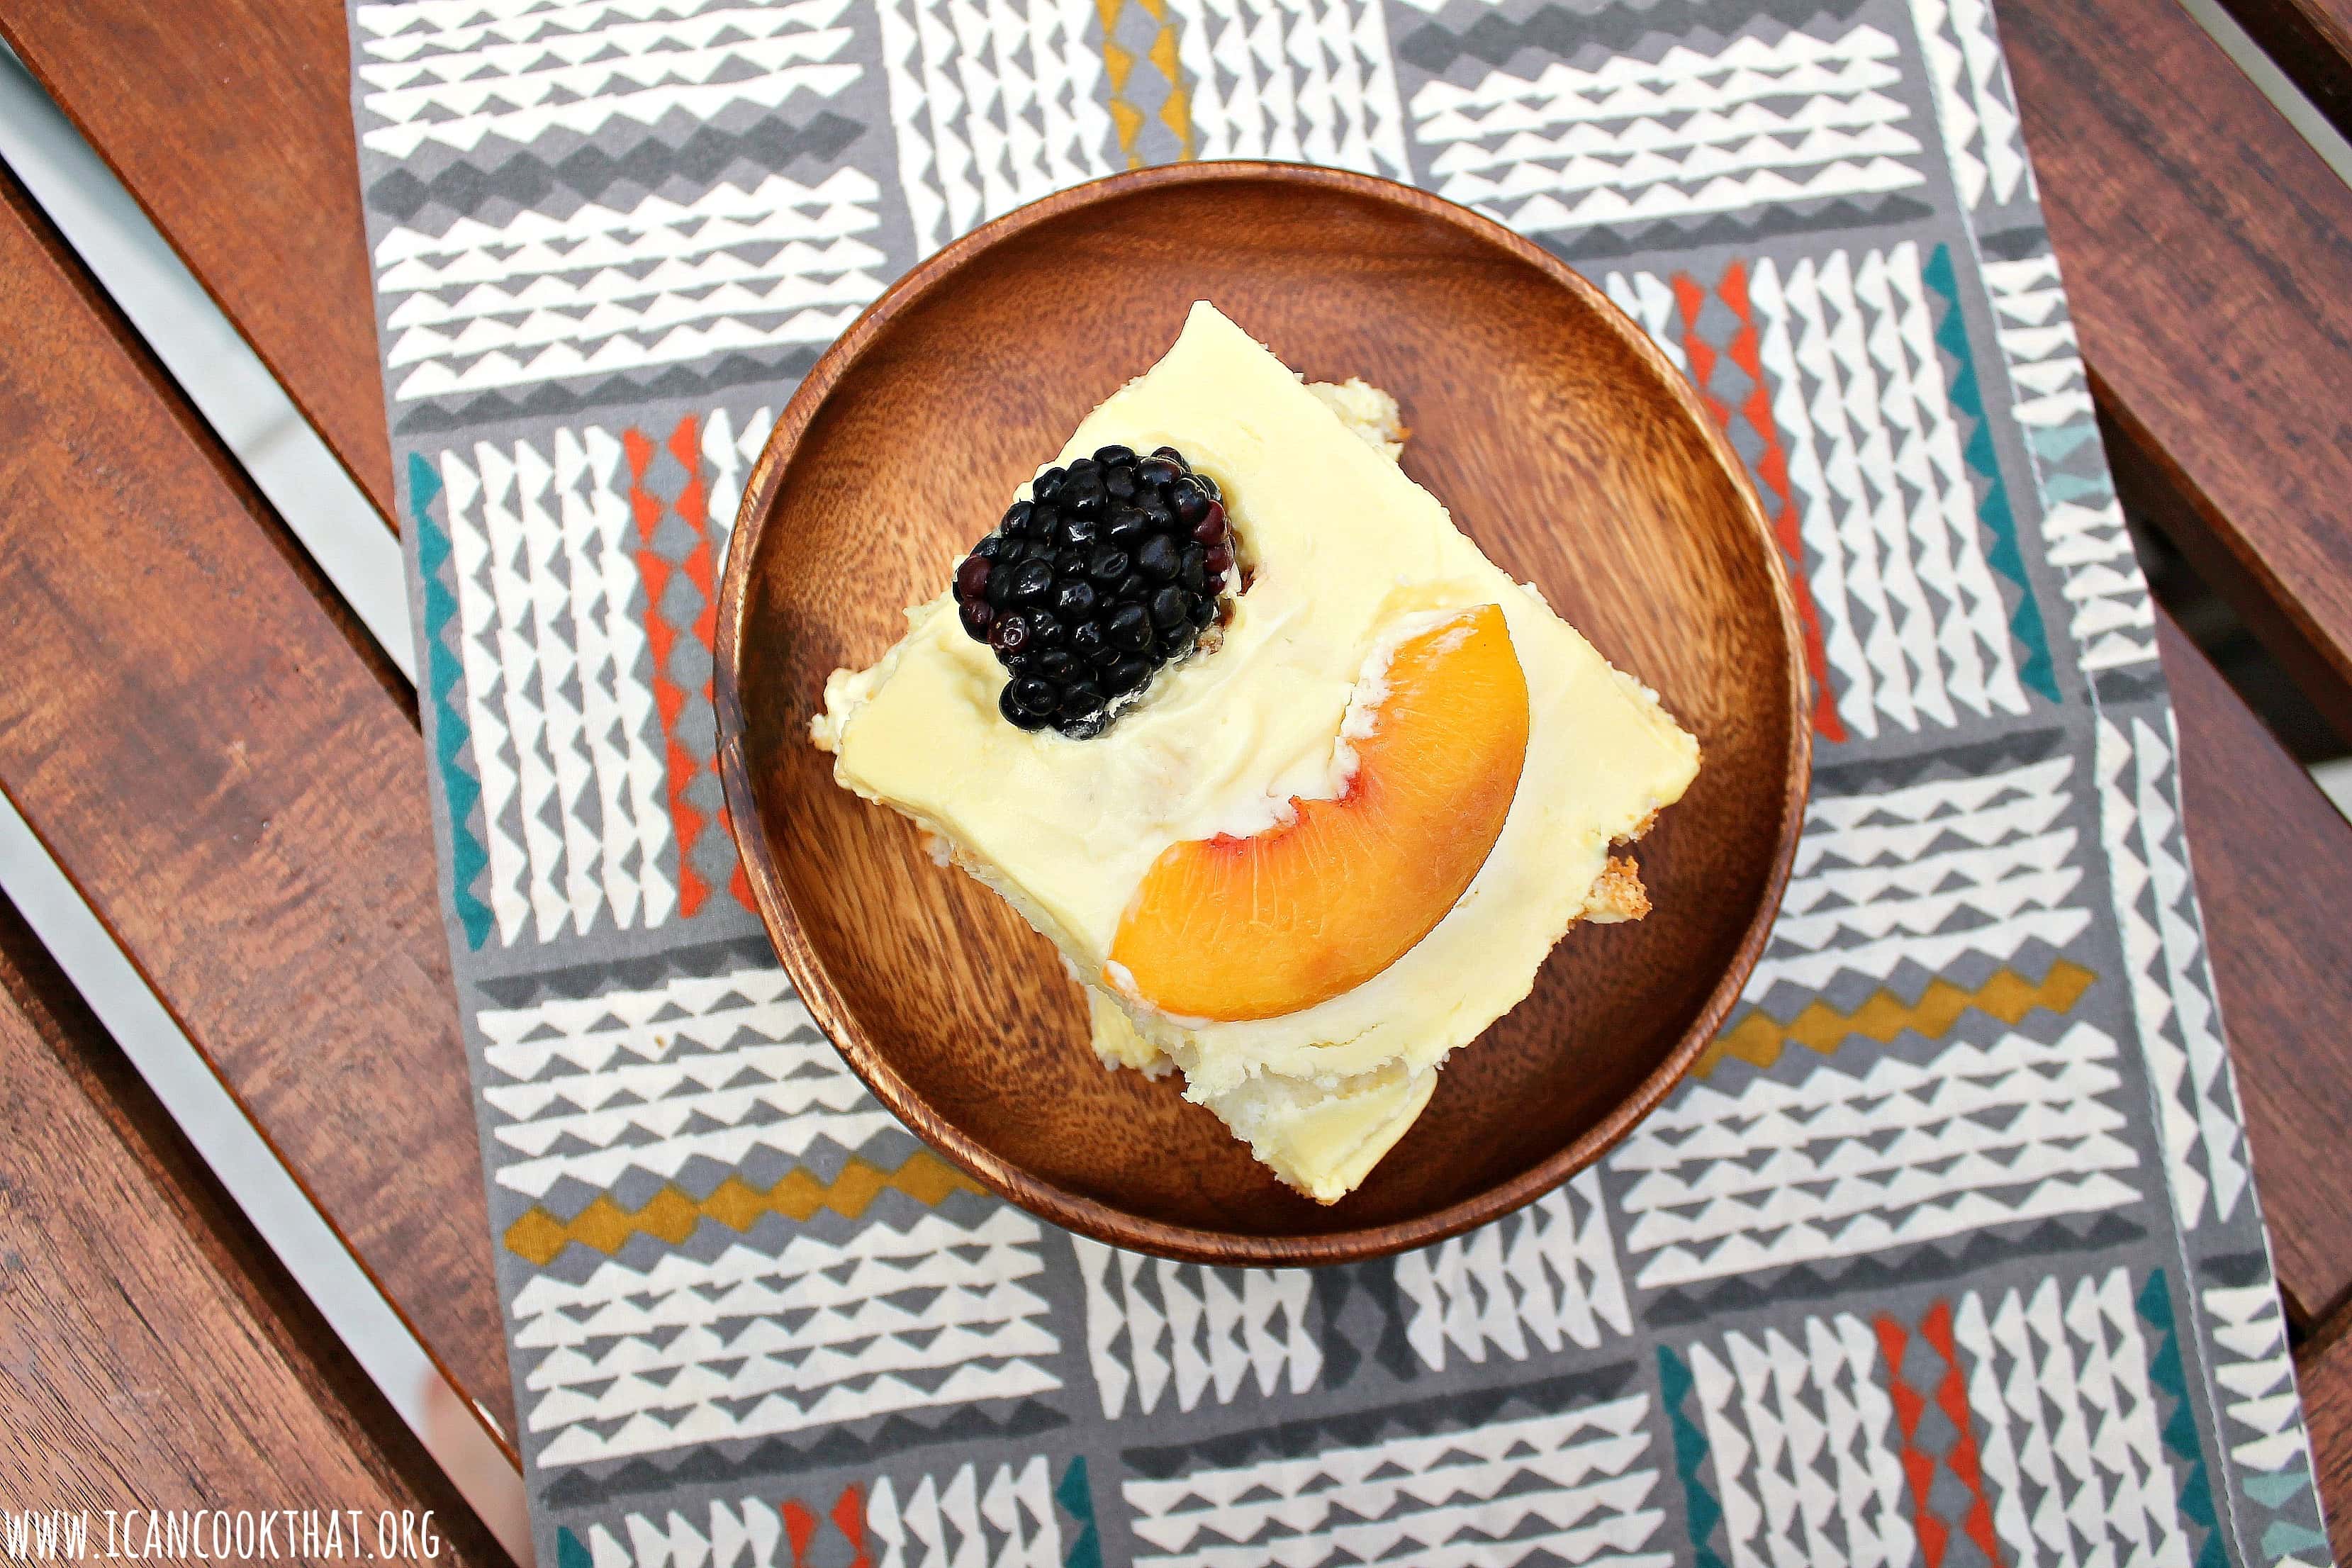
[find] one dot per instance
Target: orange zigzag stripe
(539, 1236)
(1119, 63)
(1758, 1038)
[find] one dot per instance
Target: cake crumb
(1617, 893)
(1370, 413)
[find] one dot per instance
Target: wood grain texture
(2324, 1372)
(1563, 442)
(152, 1354)
(2311, 41)
(2208, 257)
(237, 791)
(2274, 864)
(230, 122)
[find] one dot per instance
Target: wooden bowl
(1563, 442)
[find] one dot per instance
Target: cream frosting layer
(1346, 550)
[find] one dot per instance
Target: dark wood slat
(2311, 41)
(2206, 253)
(2324, 1371)
(2273, 866)
(237, 791)
(157, 1357)
(230, 122)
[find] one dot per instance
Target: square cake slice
(1333, 835)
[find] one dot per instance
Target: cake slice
(1361, 786)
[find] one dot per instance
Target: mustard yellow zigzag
(1118, 63)
(538, 1236)
(1758, 1038)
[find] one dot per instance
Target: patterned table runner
(1947, 1255)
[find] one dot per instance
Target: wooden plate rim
(1073, 1211)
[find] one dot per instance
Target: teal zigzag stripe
(1077, 1500)
(1704, 1512)
(2285, 1537)
(2167, 1371)
(468, 858)
(569, 1553)
(2004, 556)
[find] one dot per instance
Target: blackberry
(1158, 560)
(972, 577)
(1009, 635)
(1008, 703)
(1170, 607)
(1112, 569)
(1128, 627)
(1031, 581)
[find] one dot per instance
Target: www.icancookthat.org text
(217, 1535)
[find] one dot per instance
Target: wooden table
(162, 722)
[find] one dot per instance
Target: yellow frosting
(1346, 550)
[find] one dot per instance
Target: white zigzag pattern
(1211, 1330)
(2114, 619)
(729, 456)
(2062, 1400)
(854, 1352)
(942, 1526)
(1548, 1274)
(650, 1025)
(674, 1056)
(573, 31)
(1686, 135)
(513, 515)
(1645, 298)
(1846, 1163)
(1570, 1484)
(1010, 1525)
(1913, 619)
(603, 291)
(1786, 1476)
(993, 105)
(1304, 81)
(674, 293)
(2179, 1027)
(1973, 104)
(461, 84)
(2256, 1370)
(2039, 339)
(1871, 889)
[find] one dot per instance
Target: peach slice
(1230, 928)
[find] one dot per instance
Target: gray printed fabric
(1947, 1254)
